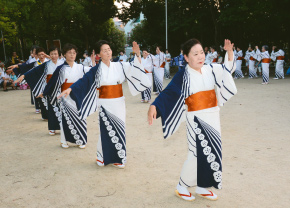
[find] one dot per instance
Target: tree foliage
(244, 22)
(81, 22)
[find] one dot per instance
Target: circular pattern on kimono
(68, 122)
(121, 153)
(59, 119)
(118, 146)
(100, 109)
(104, 118)
(57, 114)
(55, 109)
(43, 100)
(71, 126)
(76, 137)
(217, 176)
(201, 137)
(107, 123)
(115, 139)
(73, 132)
(195, 124)
(220, 185)
(207, 150)
(79, 142)
(102, 114)
(215, 166)
(109, 128)
(210, 158)
(203, 143)
(197, 130)
(124, 160)
(67, 118)
(112, 133)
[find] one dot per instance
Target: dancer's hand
(40, 96)
(152, 113)
(12, 67)
(65, 93)
(136, 48)
(228, 46)
(19, 79)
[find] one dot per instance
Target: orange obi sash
(48, 77)
(266, 60)
(252, 58)
(280, 57)
(147, 72)
(168, 60)
(214, 60)
(111, 91)
(121, 60)
(240, 58)
(65, 86)
(201, 100)
(162, 65)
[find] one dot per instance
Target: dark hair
(40, 49)
(266, 47)
(67, 47)
(54, 48)
(160, 47)
(188, 45)
(213, 47)
(34, 47)
(99, 44)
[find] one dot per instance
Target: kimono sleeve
(36, 79)
(170, 105)
(258, 55)
(138, 80)
(23, 68)
(52, 89)
(84, 93)
(225, 84)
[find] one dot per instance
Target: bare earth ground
(36, 172)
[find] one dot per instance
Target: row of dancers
(253, 58)
(69, 92)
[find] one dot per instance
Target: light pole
(166, 24)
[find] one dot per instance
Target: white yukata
(111, 104)
(265, 58)
(239, 61)
(250, 56)
(213, 87)
(123, 58)
(87, 62)
(158, 72)
(148, 64)
(73, 129)
(212, 57)
(167, 66)
(279, 69)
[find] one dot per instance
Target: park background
(24, 23)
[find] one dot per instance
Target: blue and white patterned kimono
(203, 166)
(112, 113)
(36, 79)
(73, 129)
(24, 69)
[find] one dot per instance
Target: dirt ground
(36, 172)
